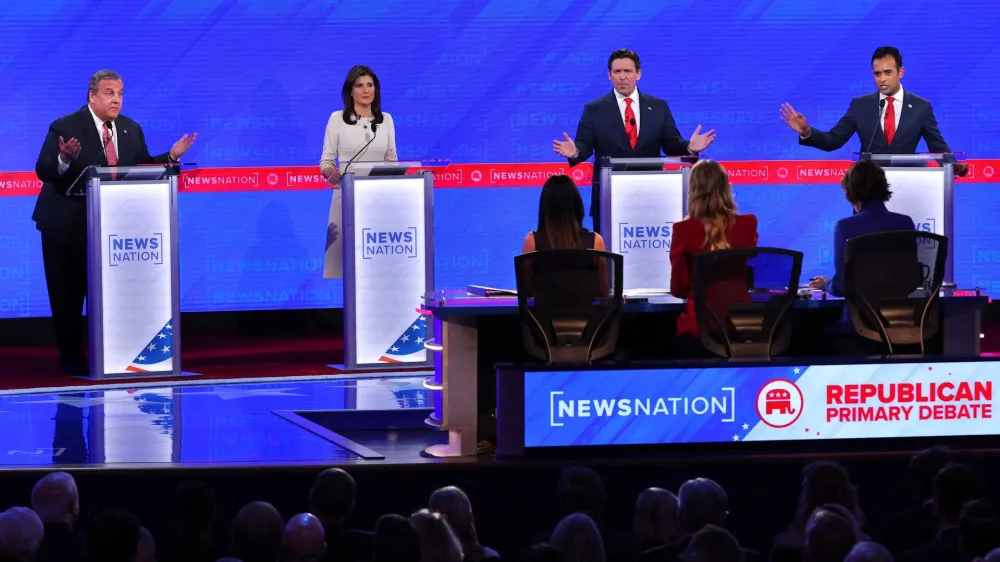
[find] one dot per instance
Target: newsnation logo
(722, 404)
(389, 242)
(633, 236)
(125, 250)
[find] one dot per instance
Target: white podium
(133, 296)
(640, 202)
(925, 194)
(388, 237)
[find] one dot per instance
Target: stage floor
(298, 421)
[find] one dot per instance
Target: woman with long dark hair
(360, 131)
(712, 224)
(560, 219)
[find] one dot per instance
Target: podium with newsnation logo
(133, 297)
(388, 237)
(922, 187)
(640, 202)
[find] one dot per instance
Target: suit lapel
(647, 121)
(617, 124)
(91, 137)
(907, 115)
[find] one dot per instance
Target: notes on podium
(641, 199)
(922, 187)
(388, 237)
(133, 297)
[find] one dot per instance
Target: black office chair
(891, 285)
(743, 298)
(570, 304)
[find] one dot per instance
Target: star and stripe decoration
(157, 355)
(409, 346)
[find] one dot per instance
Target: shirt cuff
(62, 166)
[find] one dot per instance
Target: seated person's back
(712, 224)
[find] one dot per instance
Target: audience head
(979, 528)
(829, 537)
(55, 499)
(146, 551)
(332, 496)
(396, 540)
(925, 465)
(577, 539)
(710, 201)
(437, 541)
(869, 552)
(113, 536)
(826, 482)
(954, 485)
(993, 556)
(865, 182)
(194, 507)
(304, 539)
(701, 502)
(656, 516)
(560, 212)
(454, 505)
(581, 489)
(257, 533)
(713, 544)
(21, 533)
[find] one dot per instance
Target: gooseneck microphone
(358, 153)
(881, 106)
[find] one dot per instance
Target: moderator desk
(458, 317)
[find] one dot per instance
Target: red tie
(889, 125)
(630, 129)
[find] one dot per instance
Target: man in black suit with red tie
(890, 121)
(96, 134)
(626, 124)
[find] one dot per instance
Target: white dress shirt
(100, 134)
(897, 105)
(634, 96)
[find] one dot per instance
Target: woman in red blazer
(712, 224)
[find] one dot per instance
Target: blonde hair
(710, 201)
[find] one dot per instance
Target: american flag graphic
(158, 354)
(409, 346)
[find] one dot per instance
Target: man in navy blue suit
(625, 123)
(890, 121)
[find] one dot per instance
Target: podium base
(383, 367)
(136, 376)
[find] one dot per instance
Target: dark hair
(95, 80)
(560, 212)
(886, 51)
(194, 506)
(332, 494)
(712, 542)
(826, 482)
(624, 54)
(925, 465)
(581, 489)
(865, 182)
(357, 71)
(396, 540)
(953, 486)
(113, 536)
(979, 528)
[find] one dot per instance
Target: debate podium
(133, 291)
(924, 192)
(640, 202)
(388, 241)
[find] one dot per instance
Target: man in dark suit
(96, 134)
(890, 121)
(626, 124)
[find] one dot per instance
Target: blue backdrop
(470, 81)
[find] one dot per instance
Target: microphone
(358, 153)
(881, 106)
(110, 124)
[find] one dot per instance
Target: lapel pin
(649, 107)
(910, 105)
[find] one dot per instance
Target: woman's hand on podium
(182, 146)
(332, 176)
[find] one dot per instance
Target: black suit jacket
(66, 216)
(601, 132)
(916, 121)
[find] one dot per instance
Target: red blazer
(688, 240)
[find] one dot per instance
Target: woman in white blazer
(361, 122)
